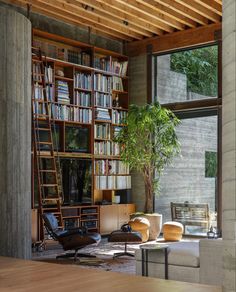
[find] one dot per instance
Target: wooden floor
(24, 276)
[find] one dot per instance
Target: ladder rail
(41, 159)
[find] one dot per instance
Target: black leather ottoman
(125, 237)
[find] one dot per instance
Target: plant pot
(155, 221)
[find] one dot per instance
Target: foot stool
(172, 231)
(141, 225)
(125, 237)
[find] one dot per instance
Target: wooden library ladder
(46, 165)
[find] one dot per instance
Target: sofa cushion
(180, 254)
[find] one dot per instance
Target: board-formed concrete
(229, 146)
(15, 134)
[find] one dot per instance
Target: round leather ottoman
(141, 225)
(172, 231)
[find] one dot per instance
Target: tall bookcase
(88, 92)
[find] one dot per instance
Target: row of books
(112, 182)
(38, 92)
(57, 52)
(109, 167)
(102, 99)
(119, 117)
(62, 90)
(82, 98)
(82, 80)
(102, 63)
(119, 68)
(70, 113)
(107, 63)
(102, 83)
(102, 114)
(37, 74)
(79, 57)
(106, 148)
(102, 131)
(117, 83)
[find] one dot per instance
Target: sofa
(188, 261)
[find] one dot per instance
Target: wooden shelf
(72, 110)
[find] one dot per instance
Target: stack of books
(62, 92)
(117, 83)
(102, 83)
(102, 114)
(82, 98)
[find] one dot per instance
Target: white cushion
(180, 254)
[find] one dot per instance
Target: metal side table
(145, 248)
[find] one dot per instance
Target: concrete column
(229, 146)
(138, 95)
(15, 134)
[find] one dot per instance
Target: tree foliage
(148, 143)
(200, 67)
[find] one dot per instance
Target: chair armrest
(72, 231)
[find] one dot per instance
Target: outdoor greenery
(148, 143)
(210, 164)
(200, 67)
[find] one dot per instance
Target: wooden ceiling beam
(168, 12)
(85, 17)
(175, 41)
(184, 11)
(219, 2)
(113, 12)
(68, 18)
(94, 12)
(160, 17)
(211, 5)
(143, 7)
(118, 4)
(200, 10)
(104, 14)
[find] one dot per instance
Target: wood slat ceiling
(130, 20)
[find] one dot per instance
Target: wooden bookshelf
(88, 89)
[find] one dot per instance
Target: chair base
(74, 255)
(120, 254)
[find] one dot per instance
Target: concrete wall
(229, 145)
(15, 134)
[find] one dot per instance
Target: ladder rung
(44, 143)
(49, 185)
(48, 170)
(46, 156)
(42, 129)
(52, 199)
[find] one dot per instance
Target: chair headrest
(50, 221)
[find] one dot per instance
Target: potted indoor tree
(148, 143)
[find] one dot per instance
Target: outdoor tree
(201, 68)
(148, 143)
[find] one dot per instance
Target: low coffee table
(145, 249)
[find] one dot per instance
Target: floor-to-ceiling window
(187, 82)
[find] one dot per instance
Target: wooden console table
(26, 276)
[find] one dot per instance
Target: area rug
(104, 257)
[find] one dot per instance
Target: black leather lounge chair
(71, 239)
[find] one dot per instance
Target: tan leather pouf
(172, 231)
(141, 225)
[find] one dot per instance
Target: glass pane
(192, 175)
(187, 75)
